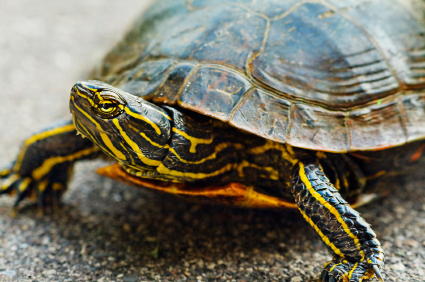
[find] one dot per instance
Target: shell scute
(145, 79)
(214, 91)
(376, 127)
(414, 113)
(315, 127)
(330, 61)
(170, 89)
(264, 114)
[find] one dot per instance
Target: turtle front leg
(44, 164)
(357, 253)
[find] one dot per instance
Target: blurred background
(107, 231)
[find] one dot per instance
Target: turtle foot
(46, 192)
(341, 270)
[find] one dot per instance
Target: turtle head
(131, 130)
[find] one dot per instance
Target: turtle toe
(342, 270)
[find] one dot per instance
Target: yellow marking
(324, 238)
(319, 198)
(93, 139)
(254, 199)
(289, 149)
(162, 113)
(99, 97)
(335, 265)
(231, 193)
(135, 147)
(24, 184)
(193, 140)
(92, 89)
(85, 97)
(337, 184)
(345, 179)
(287, 155)
(321, 155)
(117, 153)
(376, 175)
(164, 170)
(153, 143)
(125, 149)
(10, 181)
(147, 138)
(49, 163)
(40, 136)
(218, 148)
(43, 185)
(5, 172)
(154, 126)
(58, 186)
(352, 270)
(273, 174)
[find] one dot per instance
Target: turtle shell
(328, 75)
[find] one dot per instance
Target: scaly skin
(44, 165)
(357, 252)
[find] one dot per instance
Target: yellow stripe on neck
(134, 146)
(218, 148)
(193, 140)
(287, 152)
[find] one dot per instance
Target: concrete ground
(107, 231)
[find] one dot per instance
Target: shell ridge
(367, 34)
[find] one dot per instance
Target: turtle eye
(107, 106)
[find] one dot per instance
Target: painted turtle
(281, 104)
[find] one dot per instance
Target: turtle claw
(44, 193)
(378, 275)
(342, 270)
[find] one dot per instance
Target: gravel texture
(107, 231)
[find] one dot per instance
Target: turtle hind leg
(357, 253)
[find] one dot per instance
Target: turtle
(302, 104)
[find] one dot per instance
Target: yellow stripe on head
(117, 153)
(138, 116)
(92, 89)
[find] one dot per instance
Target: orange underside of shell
(234, 194)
